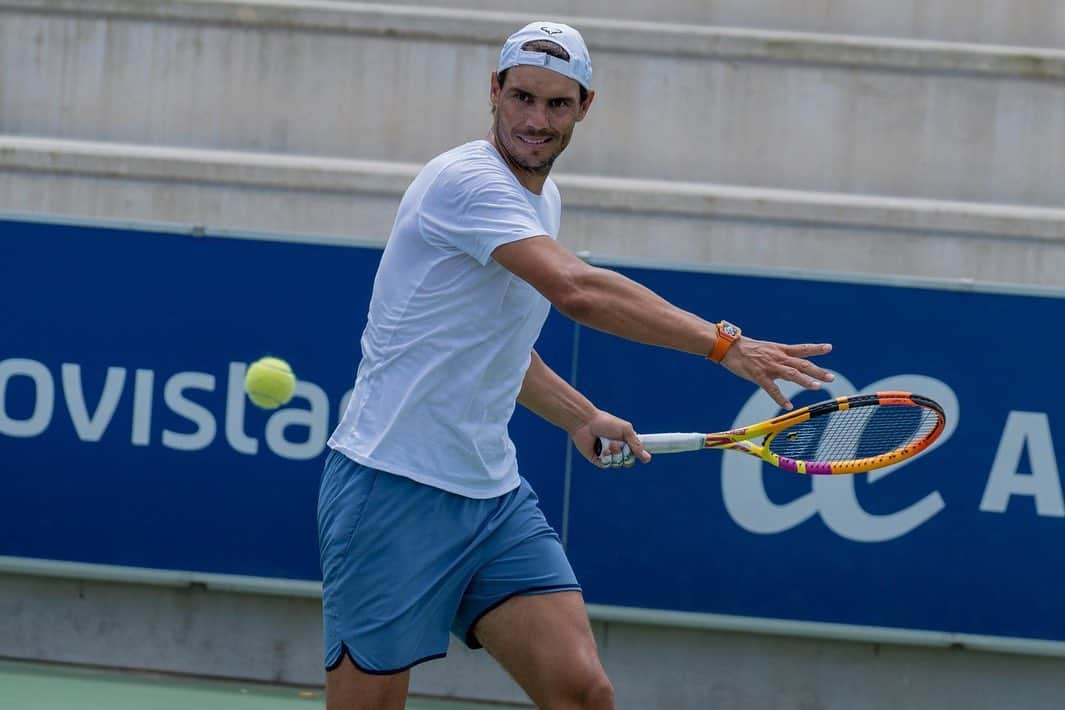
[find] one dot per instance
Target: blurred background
(187, 185)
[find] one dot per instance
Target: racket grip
(672, 443)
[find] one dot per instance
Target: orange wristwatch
(727, 334)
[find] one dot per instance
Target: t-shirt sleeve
(474, 208)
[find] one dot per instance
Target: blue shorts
(404, 563)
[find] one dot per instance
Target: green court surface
(34, 686)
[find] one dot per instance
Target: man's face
(535, 112)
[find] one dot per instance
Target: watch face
(730, 330)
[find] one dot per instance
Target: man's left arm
(546, 394)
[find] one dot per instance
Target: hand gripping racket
(843, 435)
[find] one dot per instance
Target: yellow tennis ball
(270, 382)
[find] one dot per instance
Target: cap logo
(551, 30)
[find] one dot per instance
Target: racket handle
(672, 443)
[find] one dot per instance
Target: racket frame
(741, 439)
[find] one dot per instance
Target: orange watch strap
(727, 334)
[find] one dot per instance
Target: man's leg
(348, 688)
(545, 642)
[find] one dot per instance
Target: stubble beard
(541, 169)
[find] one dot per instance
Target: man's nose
(537, 117)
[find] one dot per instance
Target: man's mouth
(530, 140)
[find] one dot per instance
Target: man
(425, 525)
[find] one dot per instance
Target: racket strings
(856, 433)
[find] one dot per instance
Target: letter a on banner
(1031, 430)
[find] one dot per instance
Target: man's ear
(587, 104)
(495, 90)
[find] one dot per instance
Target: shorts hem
(345, 651)
(471, 640)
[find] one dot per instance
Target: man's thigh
(348, 688)
(545, 642)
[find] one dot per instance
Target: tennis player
(425, 525)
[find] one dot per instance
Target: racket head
(853, 434)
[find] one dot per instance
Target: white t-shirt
(450, 331)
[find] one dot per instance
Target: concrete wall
(610, 217)
(1029, 23)
(810, 112)
(278, 639)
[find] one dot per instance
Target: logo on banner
(184, 395)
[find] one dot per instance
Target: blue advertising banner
(125, 437)
(962, 539)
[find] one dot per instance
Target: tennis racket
(843, 435)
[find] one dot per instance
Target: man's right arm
(610, 302)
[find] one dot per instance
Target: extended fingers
(808, 349)
(771, 388)
(805, 373)
(765, 362)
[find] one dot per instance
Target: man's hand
(763, 362)
(618, 431)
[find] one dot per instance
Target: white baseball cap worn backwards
(579, 66)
